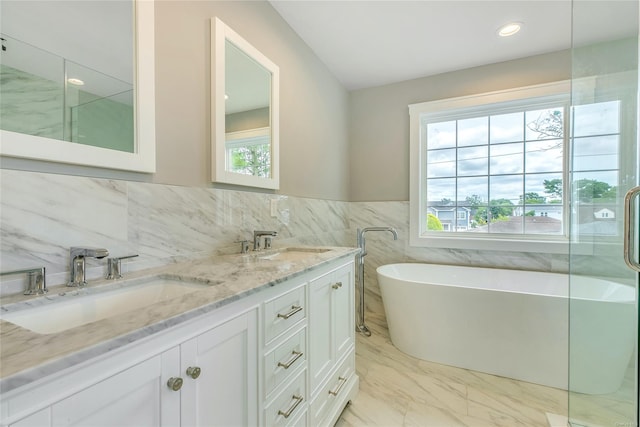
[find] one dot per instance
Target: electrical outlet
(274, 207)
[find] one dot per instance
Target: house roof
(533, 224)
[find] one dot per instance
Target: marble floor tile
(399, 390)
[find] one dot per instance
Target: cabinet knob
(337, 285)
(194, 372)
(174, 383)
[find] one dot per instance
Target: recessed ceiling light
(509, 29)
(75, 81)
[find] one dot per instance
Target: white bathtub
(511, 323)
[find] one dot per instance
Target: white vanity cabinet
(209, 379)
(220, 373)
(281, 356)
(331, 344)
(129, 398)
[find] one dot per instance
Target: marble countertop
(26, 356)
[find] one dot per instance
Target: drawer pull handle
(174, 383)
(298, 400)
(343, 381)
(296, 355)
(294, 310)
(337, 285)
(194, 372)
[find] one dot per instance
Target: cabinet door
(41, 418)
(225, 393)
(137, 396)
(321, 340)
(343, 314)
(331, 322)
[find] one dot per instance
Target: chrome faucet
(258, 234)
(361, 241)
(77, 270)
(37, 280)
(361, 326)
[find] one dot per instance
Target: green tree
(433, 223)
(252, 160)
(589, 190)
(533, 199)
(500, 210)
(473, 201)
(553, 187)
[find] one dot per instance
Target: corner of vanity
(274, 349)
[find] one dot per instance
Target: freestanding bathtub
(512, 323)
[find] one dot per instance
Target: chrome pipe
(360, 239)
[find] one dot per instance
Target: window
(498, 161)
(249, 152)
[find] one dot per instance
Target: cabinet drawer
(288, 405)
(283, 312)
(332, 392)
(283, 361)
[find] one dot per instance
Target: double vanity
(263, 338)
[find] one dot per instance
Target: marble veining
(26, 356)
(43, 215)
(399, 390)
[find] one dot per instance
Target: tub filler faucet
(77, 264)
(361, 327)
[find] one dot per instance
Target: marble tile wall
(43, 215)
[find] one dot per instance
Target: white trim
(521, 243)
(220, 32)
(15, 144)
(246, 134)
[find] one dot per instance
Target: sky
(521, 157)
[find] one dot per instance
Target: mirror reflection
(247, 114)
(245, 101)
(73, 82)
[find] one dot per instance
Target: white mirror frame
(220, 33)
(13, 144)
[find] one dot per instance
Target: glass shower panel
(31, 90)
(603, 303)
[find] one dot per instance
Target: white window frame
(417, 189)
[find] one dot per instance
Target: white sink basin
(287, 254)
(73, 309)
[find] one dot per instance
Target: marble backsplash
(43, 215)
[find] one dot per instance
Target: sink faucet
(37, 281)
(77, 256)
(258, 234)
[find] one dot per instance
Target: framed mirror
(82, 90)
(245, 108)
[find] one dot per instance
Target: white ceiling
(371, 43)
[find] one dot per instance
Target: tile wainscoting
(43, 215)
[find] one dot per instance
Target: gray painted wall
(313, 104)
(379, 118)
